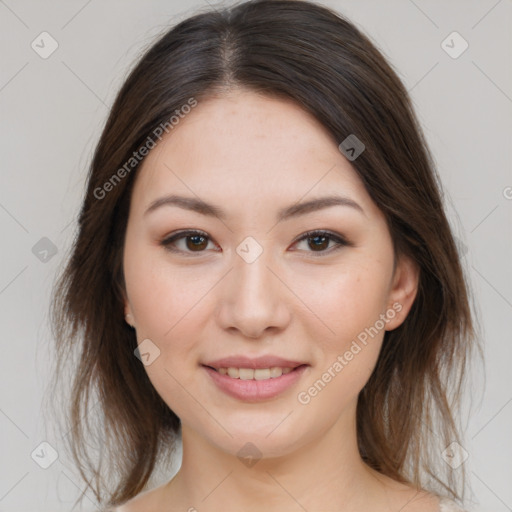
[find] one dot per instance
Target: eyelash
(338, 239)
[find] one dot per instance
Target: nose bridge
(252, 301)
(252, 276)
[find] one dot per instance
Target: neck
(323, 474)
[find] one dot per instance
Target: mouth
(255, 384)
(273, 372)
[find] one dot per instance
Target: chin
(260, 440)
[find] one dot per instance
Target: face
(243, 284)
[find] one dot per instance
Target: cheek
(344, 301)
(349, 303)
(165, 307)
(160, 297)
(168, 306)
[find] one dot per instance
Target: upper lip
(267, 361)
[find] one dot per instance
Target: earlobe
(128, 319)
(128, 315)
(403, 291)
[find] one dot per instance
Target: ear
(403, 290)
(128, 315)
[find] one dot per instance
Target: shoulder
(420, 501)
(429, 502)
(147, 501)
(406, 497)
(447, 505)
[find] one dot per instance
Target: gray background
(53, 109)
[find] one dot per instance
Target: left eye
(319, 241)
(197, 241)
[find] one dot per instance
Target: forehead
(251, 147)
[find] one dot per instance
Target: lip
(255, 390)
(253, 362)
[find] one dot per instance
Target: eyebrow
(295, 210)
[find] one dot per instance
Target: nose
(253, 299)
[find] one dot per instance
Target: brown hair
(305, 52)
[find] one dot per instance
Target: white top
(447, 505)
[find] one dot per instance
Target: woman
(264, 270)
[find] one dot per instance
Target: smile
(254, 373)
(254, 384)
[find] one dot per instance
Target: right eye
(195, 241)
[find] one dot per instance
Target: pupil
(194, 246)
(322, 244)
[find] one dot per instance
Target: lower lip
(255, 390)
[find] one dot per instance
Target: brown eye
(195, 241)
(318, 241)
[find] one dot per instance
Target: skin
(253, 155)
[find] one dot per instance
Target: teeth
(233, 372)
(262, 374)
(276, 372)
(246, 373)
(254, 374)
